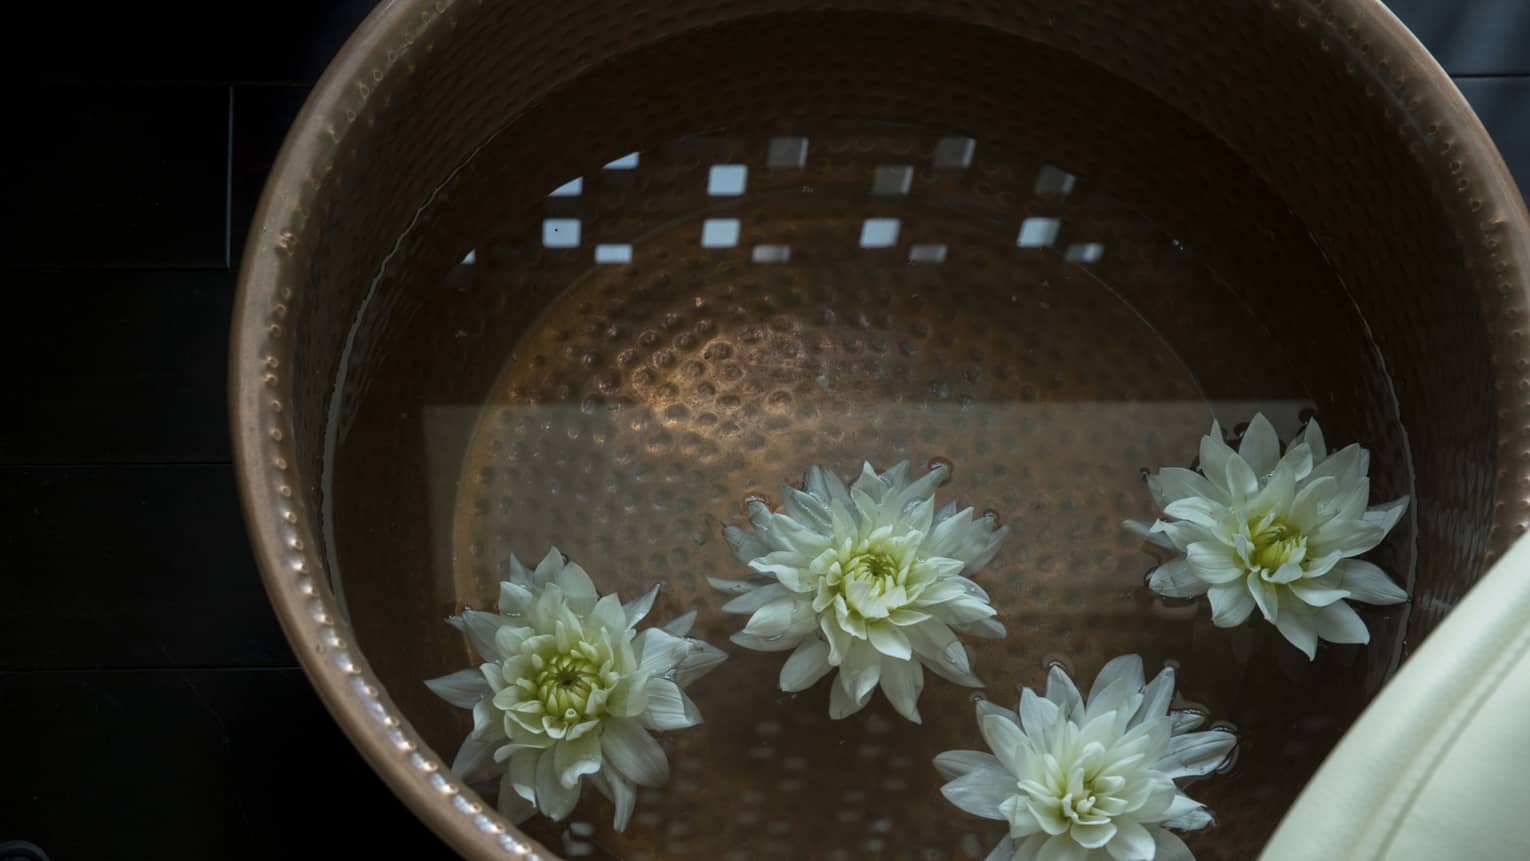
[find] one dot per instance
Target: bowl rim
(280, 527)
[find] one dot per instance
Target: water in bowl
(693, 273)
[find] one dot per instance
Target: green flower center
(877, 570)
(1275, 544)
(872, 583)
(564, 683)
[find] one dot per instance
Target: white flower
(869, 579)
(1081, 780)
(568, 690)
(1254, 528)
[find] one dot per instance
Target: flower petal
(1186, 814)
(1277, 494)
(741, 585)
(955, 763)
(1062, 691)
(475, 758)
(1196, 753)
(981, 791)
(826, 486)
(520, 575)
(636, 609)
(940, 651)
(1005, 851)
(633, 752)
(754, 599)
(806, 666)
(773, 619)
(1310, 507)
(1339, 623)
(861, 671)
(1287, 573)
(578, 588)
(1146, 532)
(1185, 720)
(1197, 510)
(1172, 484)
(890, 641)
(1265, 596)
(1176, 579)
(1312, 436)
(1126, 669)
(1094, 835)
(988, 629)
(680, 625)
(1387, 514)
(1214, 455)
(1316, 594)
(1369, 584)
(902, 683)
(522, 772)
(1300, 628)
(1062, 848)
(1037, 716)
(809, 510)
(548, 568)
(462, 689)
(480, 628)
(513, 598)
(1242, 482)
(1168, 847)
(1214, 562)
(621, 793)
(699, 659)
(554, 799)
(841, 703)
(973, 541)
(1183, 534)
(574, 759)
(668, 707)
(1156, 697)
(838, 639)
(1005, 738)
(659, 652)
(1260, 448)
(1131, 842)
(511, 804)
(745, 545)
(1231, 604)
(608, 614)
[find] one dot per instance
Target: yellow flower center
(1275, 544)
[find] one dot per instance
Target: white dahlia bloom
(569, 690)
(870, 579)
(1254, 529)
(1087, 780)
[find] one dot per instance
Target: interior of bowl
(594, 280)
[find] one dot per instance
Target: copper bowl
(1356, 244)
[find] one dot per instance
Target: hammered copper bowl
(1349, 207)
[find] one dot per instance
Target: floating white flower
(1255, 529)
(1088, 779)
(569, 690)
(870, 579)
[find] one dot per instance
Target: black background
(149, 706)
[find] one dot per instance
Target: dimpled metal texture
(1261, 207)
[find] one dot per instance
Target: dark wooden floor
(149, 706)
